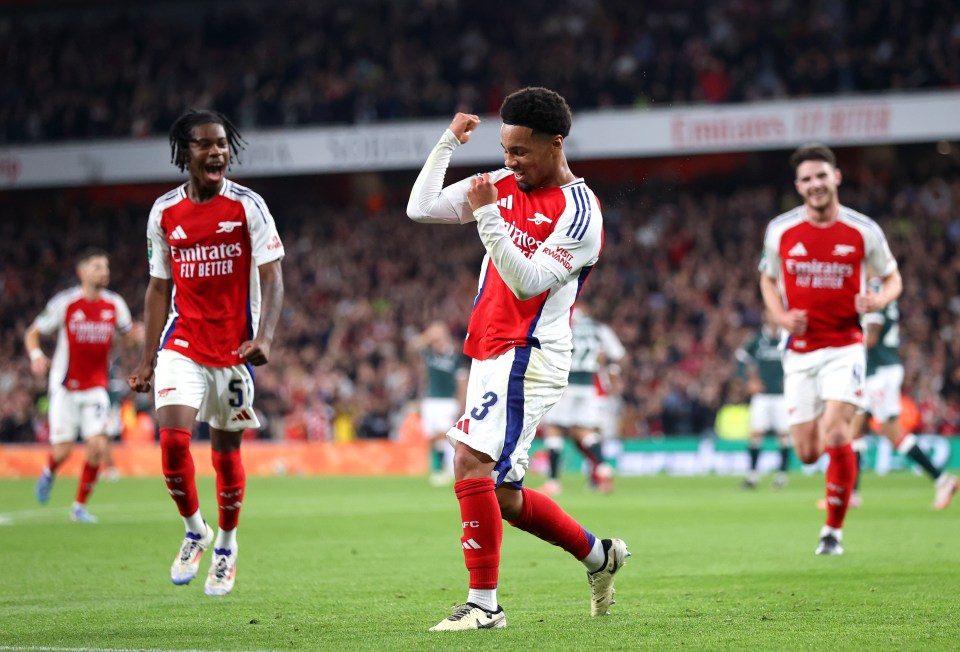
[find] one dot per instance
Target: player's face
(209, 155)
(95, 271)
(817, 183)
(533, 159)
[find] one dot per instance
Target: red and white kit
(79, 367)
(211, 251)
(821, 270)
(546, 242)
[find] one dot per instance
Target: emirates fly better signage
(633, 133)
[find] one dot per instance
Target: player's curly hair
(181, 133)
(539, 108)
(812, 152)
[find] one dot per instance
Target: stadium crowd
(677, 281)
(111, 69)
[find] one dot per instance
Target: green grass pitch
(371, 563)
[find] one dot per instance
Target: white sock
(226, 539)
(485, 598)
(908, 442)
(195, 524)
(596, 558)
(835, 531)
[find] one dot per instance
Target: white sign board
(596, 135)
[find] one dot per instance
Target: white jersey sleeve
(265, 243)
(877, 253)
(576, 241)
(158, 249)
(770, 258)
(573, 244)
(124, 319)
(610, 344)
(54, 313)
(429, 201)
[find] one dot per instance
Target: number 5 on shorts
(489, 399)
(236, 390)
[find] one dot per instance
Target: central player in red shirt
(813, 280)
(543, 231)
(210, 312)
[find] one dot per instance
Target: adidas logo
(178, 233)
(470, 544)
(540, 218)
(463, 425)
(506, 202)
(242, 415)
(797, 250)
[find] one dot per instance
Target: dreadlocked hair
(181, 133)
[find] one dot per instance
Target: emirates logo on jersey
(202, 261)
(524, 241)
(90, 332)
(203, 253)
(819, 274)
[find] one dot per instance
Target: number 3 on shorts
(489, 399)
(236, 391)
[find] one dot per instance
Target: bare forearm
(892, 288)
(31, 341)
(771, 298)
(156, 308)
(271, 285)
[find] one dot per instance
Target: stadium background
(683, 122)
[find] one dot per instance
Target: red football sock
(52, 464)
(841, 478)
(482, 530)
(87, 479)
(178, 469)
(544, 518)
(231, 481)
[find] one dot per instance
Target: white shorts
(883, 392)
(768, 412)
(85, 412)
(829, 374)
(223, 396)
(507, 397)
(438, 414)
(578, 407)
(609, 408)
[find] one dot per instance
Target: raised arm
(429, 201)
